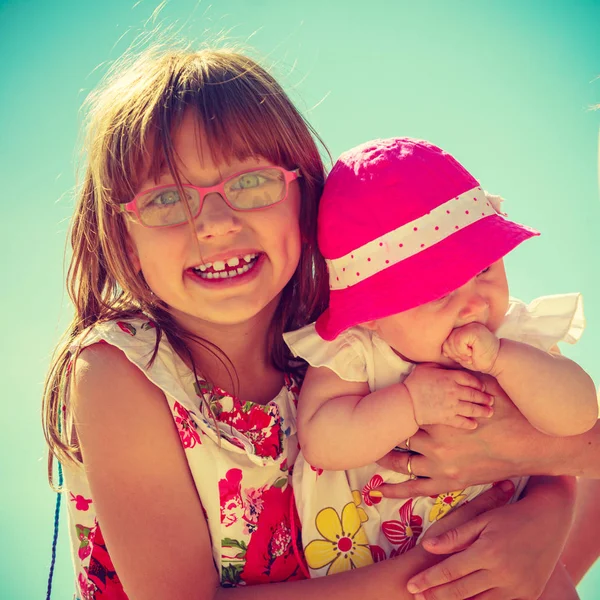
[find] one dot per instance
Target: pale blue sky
(505, 86)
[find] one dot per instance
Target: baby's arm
(342, 425)
(554, 393)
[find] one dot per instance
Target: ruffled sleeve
(545, 321)
(345, 355)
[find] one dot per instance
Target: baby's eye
(441, 300)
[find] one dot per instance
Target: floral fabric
(339, 518)
(240, 459)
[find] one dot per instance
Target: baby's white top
(359, 354)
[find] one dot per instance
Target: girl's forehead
(192, 151)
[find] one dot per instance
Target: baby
(418, 289)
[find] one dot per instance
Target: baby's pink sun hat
(402, 223)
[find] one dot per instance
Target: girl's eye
(248, 181)
(484, 271)
(166, 198)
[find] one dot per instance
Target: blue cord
(55, 536)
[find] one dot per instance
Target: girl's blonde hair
(132, 117)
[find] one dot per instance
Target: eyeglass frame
(219, 188)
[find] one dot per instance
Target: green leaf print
(231, 543)
(148, 325)
(281, 482)
(126, 327)
(231, 575)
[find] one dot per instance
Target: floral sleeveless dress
(241, 472)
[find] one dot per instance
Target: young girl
(414, 250)
(172, 404)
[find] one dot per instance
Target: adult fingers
(470, 587)
(461, 527)
(416, 487)
(469, 409)
(398, 461)
(456, 577)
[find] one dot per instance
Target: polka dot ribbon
(412, 238)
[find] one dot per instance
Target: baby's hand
(445, 397)
(473, 347)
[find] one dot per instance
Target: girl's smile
(233, 264)
(233, 270)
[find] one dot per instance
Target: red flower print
(86, 537)
(186, 427)
(127, 328)
(270, 556)
(375, 482)
(86, 587)
(253, 505)
(81, 503)
(405, 532)
(230, 497)
(292, 386)
(101, 572)
(317, 470)
(260, 424)
(377, 553)
(149, 325)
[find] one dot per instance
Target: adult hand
(509, 552)
(504, 446)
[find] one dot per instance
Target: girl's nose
(216, 218)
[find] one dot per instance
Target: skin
(418, 335)
(132, 455)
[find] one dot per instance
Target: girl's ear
(372, 325)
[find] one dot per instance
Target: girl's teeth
(219, 265)
(233, 262)
(249, 257)
(202, 267)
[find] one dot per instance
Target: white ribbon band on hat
(412, 238)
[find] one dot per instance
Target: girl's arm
(341, 425)
(151, 516)
(554, 394)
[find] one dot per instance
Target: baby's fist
(473, 347)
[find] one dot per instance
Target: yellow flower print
(345, 546)
(357, 499)
(444, 503)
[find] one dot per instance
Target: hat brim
(437, 271)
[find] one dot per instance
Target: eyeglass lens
(256, 189)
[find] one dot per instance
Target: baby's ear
(372, 325)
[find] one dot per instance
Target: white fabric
(214, 460)
(360, 355)
(410, 239)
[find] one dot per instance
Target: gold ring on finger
(411, 474)
(407, 443)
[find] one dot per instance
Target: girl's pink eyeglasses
(163, 206)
